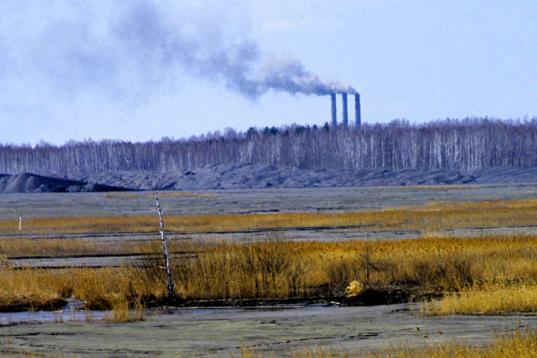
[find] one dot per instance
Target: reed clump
(227, 271)
(284, 269)
(101, 289)
(124, 311)
(495, 299)
(458, 269)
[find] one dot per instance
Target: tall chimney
(345, 110)
(357, 110)
(334, 113)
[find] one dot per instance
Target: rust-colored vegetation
(521, 344)
(428, 218)
(26, 247)
(425, 267)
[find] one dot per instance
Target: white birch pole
(164, 241)
(20, 222)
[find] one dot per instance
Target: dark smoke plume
(133, 47)
(237, 61)
(292, 77)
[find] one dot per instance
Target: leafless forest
(469, 144)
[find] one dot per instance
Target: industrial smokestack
(345, 110)
(357, 110)
(334, 113)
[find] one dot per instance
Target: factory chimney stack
(334, 109)
(357, 110)
(345, 110)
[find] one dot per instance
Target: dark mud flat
(32, 183)
(70, 262)
(279, 330)
(295, 234)
(252, 200)
(328, 235)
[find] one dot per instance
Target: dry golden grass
(3, 261)
(17, 247)
(99, 288)
(122, 311)
(233, 271)
(486, 300)
(432, 217)
(282, 269)
(37, 247)
(291, 269)
(518, 345)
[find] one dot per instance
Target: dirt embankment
(255, 176)
(245, 176)
(32, 183)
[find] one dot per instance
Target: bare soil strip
(278, 330)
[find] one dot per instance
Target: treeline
(467, 144)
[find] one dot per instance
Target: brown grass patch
(282, 269)
(427, 218)
(287, 269)
(497, 299)
(24, 247)
(103, 288)
(521, 344)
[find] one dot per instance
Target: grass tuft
(486, 300)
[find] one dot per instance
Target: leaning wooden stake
(171, 294)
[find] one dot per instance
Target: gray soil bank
(278, 330)
(240, 176)
(243, 201)
(243, 176)
(31, 183)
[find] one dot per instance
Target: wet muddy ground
(249, 201)
(279, 330)
(252, 200)
(303, 234)
(223, 331)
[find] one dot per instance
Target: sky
(144, 70)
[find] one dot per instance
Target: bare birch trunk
(164, 241)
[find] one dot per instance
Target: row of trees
(467, 144)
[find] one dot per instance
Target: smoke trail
(237, 63)
(291, 76)
(125, 46)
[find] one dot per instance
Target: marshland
(276, 178)
(444, 269)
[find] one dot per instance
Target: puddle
(68, 314)
(15, 318)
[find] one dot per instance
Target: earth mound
(250, 176)
(32, 183)
(255, 176)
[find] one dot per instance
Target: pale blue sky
(105, 69)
